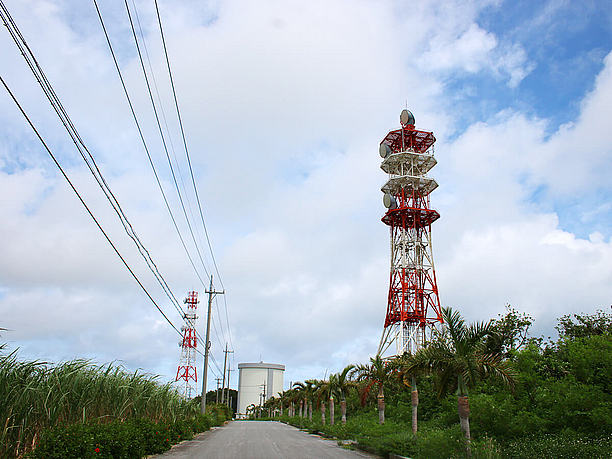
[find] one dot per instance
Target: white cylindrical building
(255, 379)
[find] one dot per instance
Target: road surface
(259, 439)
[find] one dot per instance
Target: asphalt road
(259, 439)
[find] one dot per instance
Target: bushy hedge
(134, 438)
(37, 395)
(436, 441)
(564, 445)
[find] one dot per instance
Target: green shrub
(440, 443)
(133, 438)
(567, 444)
(35, 396)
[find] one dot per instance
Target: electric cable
(165, 145)
(106, 236)
(67, 122)
(162, 135)
(146, 148)
(58, 107)
(178, 113)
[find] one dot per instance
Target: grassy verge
(434, 441)
(134, 438)
(40, 402)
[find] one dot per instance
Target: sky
(284, 104)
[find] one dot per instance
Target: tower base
(404, 337)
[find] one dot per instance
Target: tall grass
(35, 395)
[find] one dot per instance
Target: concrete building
(256, 378)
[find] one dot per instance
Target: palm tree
(282, 397)
(459, 358)
(310, 388)
(299, 391)
(321, 391)
(293, 399)
(401, 364)
(375, 374)
(342, 385)
(307, 390)
(269, 405)
(331, 387)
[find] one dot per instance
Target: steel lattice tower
(186, 369)
(413, 305)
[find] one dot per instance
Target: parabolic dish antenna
(389, 201)
(406, 117)
(384, 150)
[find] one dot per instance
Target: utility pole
(264, 392)
(224, 370)
(211, 294)
(264, 396)
(218, 383)
(229, 395)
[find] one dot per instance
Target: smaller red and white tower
(186, 369)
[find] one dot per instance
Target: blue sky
(564, 42)
(284, 104)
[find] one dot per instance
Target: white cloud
(284, 105)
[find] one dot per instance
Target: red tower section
(186, 369)
(413, 303)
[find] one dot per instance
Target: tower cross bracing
(186, 371)
(413, 304)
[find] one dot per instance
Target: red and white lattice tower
(413, 305)
(186, 369)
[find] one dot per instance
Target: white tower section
(255, 380)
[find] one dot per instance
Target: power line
(129, 100)
(86, 207)
(162, 134)
(65, 119)
(159, 127)
(67, 122)
(195, 188)
(146, 147)
(219, 320)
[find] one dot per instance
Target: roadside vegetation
(78, 409)
(485, 390)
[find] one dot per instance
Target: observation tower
(186, 369)
(413, 305)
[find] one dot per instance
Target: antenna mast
(413, 305)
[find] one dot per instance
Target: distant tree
(284, 401)
(307, 389)
(332, 384)
(375, 374)
(321, 392)
(292, 397)
(459, 357)
(342, 386)
(572, 326)
(509, 332)
(407, 374)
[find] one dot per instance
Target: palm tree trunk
(310, 410)
(323, 412)
(381, 405)
(343, 409)
(301, 408)
(463, 406)
(415, 403)
(332, 409)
